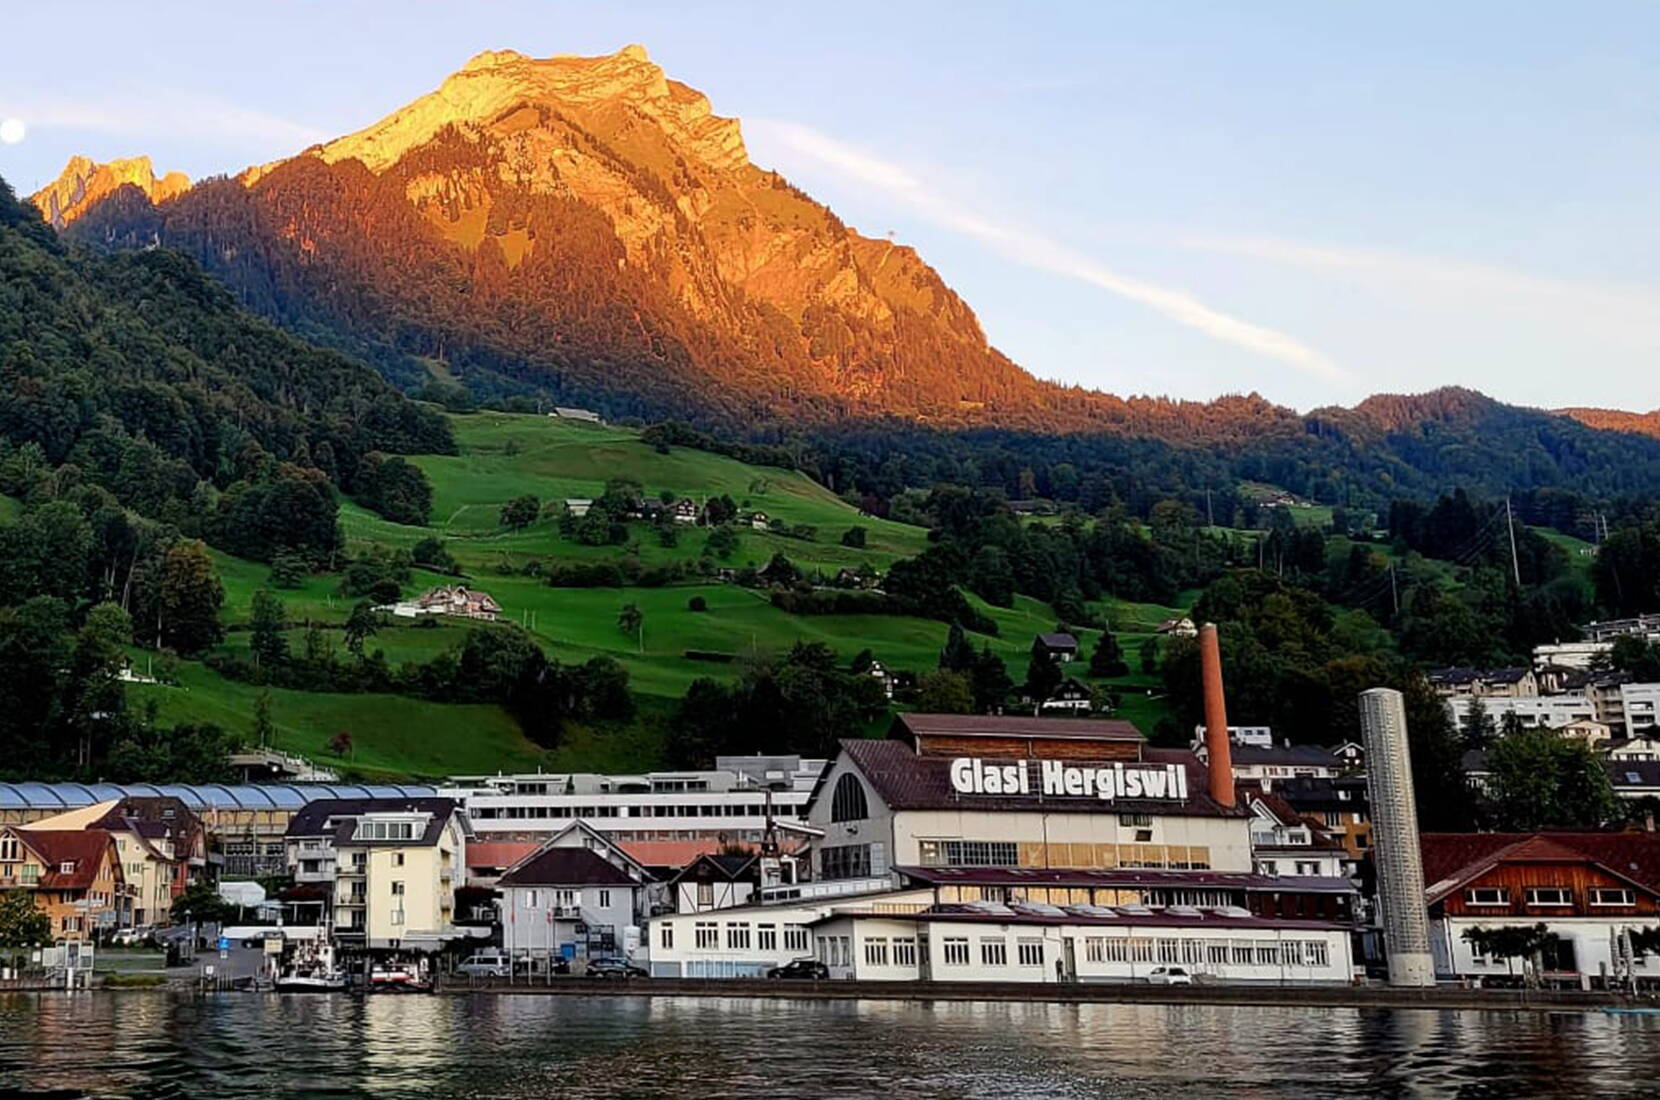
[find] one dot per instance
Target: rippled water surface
(511, 1047)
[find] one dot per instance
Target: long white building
(729, 802)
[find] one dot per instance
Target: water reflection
(520, 1047)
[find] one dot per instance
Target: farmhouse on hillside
(1056, 647)
(447, 599)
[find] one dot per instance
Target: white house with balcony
(577, 896)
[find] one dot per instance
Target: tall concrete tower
(1395, 838)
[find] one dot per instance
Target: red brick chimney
(1218, 748)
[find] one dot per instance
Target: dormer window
(67, 867)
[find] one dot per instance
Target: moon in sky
(12, 130)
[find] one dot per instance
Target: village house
(684, 510)
(578, 506)
(1069, 697)
(720, 880)
(1340, 806)
(1178, 628)
(1283, 842)
(1584, 888)
(1489, 683)
(576, 896)
(565, 412)
(1056, 647)
(73, 875)
(447, 599)
(159, 843)
(759, 521)
(879, 672)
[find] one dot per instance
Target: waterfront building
(728, 803)
(244, 824)
(1052, 840)
(1586, 889)
(578, 895)
(160, 844)
(383, 872)
(74, 876)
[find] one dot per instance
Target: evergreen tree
(1107, 659)
(958, 654)
(1478, 728)
(266, 638)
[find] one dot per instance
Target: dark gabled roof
(724, 866)
(1058, 641)
(565, 867)
(1311, 794)
(1452, 859)
(312, 818)
(1307, 756)
(906, 780)
(1014, 725)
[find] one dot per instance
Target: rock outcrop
(83, 182)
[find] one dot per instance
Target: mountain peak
(84, 181)
(482, 96)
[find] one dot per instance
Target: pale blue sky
(1311, 200)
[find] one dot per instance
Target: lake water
(152, 1045)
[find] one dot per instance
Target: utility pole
(1394, 591)
(1510, 521)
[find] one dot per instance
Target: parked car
(485, 966)
(1169, 975)
(614, 968)
(132, 937)
(801, 969)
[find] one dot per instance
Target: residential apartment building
(160, 844)
(1485, 683)
(730, 802)
(74, 876)
(383, 872)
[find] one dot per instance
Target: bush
(854, 537)
(697, 603)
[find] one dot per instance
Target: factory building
(988, 847)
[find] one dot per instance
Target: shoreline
(1432, 999)
(1438, 998)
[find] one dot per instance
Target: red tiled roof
(499, 853)
(1451, 859)
(83, 848)
(672, 853)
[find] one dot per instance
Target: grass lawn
(391, 735)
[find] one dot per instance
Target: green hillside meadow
(503, 456)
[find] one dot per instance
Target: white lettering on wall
(1162, 782)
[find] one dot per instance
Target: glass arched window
(848, 803)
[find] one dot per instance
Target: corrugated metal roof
(210, 796)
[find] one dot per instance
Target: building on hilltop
(1056, 647)
(565, 412)
(1493, 683)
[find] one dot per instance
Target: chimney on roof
(1217, 747)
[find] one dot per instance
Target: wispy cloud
(1034, 250)
(1597, 309)
(151, 115)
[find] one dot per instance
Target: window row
(1215, 953)
(1551, 896)
(740, 936)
